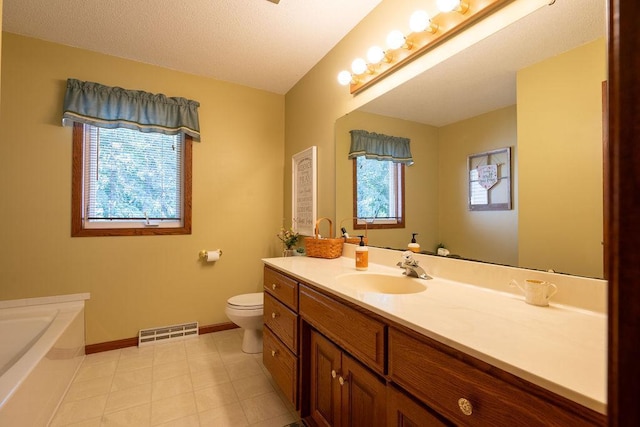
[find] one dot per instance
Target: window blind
(132, 176)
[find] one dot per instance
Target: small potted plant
(289, 238)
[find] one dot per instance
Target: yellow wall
(560, 161)
(421, 179)
(483, 235)
(135, 282)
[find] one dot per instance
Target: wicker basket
(356, 240)
(323, 248)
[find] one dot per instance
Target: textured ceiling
(483, 77)
(255, 43)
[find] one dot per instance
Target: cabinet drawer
(441, 381)
(354, 331)
(282, 287)
(403, 411)
(282, 364)
(282, 322)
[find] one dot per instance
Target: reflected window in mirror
(378, 193)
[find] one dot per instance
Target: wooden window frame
(359, 224)
(77, 221)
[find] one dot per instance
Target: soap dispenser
(362, 255)
(414, 246)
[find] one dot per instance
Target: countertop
(560, 348)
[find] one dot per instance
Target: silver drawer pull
(333, 373)
(273, 353)
(341, 380)
(274, 286)
(465, 406)
(274, 315)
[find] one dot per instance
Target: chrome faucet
(411, 267)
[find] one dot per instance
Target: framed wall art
(304, 191)
(489, 177)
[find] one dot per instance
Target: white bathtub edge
(56, 299)
(33, 365)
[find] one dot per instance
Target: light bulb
(358, 66)
(395, 39)
(419, 21)
(344, 77)
(448, 5)
(375, 54)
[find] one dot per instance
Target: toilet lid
(247, 301)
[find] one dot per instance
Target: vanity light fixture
(445, 6)
(359, 66)
(375, 55)
(397, 40)
(426, 32)
(420, 21)
(345, 78)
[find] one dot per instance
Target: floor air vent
(167, 333)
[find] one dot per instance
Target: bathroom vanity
(449, 354)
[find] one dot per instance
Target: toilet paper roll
(213, 256)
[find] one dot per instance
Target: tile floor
(204, 381)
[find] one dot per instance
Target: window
(378, 188)
(127, 182)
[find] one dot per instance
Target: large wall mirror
(535, 86)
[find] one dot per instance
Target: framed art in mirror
(489, 176)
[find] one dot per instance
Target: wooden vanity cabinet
(342, 365)
(468, 395)
(280, 333)
(342, 391)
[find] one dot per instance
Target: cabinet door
(363, 395)
(325, 366)
(282, 364)
(402, 411)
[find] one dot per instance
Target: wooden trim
(623, 254)
(208, 329)
(132, 342)
(110, 345)
(76, 180)
(605, 179)
(77, 229)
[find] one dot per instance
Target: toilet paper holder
(203, 255)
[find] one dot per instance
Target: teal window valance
(380, 147)
(115, 107)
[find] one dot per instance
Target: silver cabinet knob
(274, 315)
(341, 380)
(273, 353)
(465, 406)
(274, 286)
(333, 373)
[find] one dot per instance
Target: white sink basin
(381, 283)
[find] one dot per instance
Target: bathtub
(41, 347)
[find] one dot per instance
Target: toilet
(246, 311)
